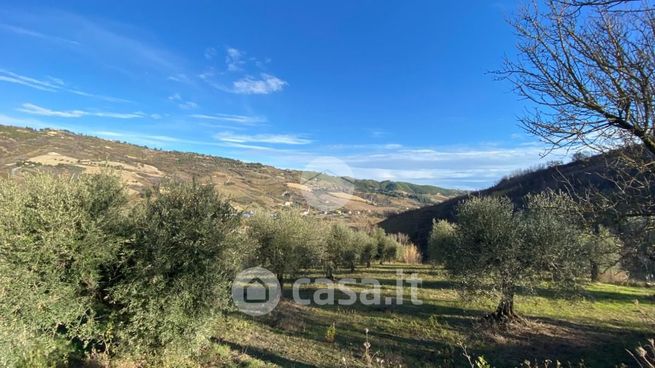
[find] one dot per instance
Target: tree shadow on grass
(595, 295)
(308, 323)
(265, 355)
(558, 340)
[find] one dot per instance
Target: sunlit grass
(596, 326)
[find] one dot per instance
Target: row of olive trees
(288, 243)
(81, 270)
(497, 249)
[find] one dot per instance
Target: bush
(184, 250)
(410, 254)
(59, 252)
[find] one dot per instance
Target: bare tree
(589, 66)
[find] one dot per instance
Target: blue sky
(397, 90)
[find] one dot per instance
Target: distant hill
(249, 185)
(417, 223)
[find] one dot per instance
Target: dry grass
(410, 254)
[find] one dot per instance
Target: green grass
(596, 328)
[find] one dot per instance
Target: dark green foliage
(179, 263)
(387, 186)
(77, 273)
(58, 254)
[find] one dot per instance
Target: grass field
(595, 328)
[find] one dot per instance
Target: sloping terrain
(576, 176)
(249, 185)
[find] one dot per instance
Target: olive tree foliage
(59, 254)
(339, 240)
(499, 250)
(80, 270)
(368, 245)
(386, 245)
(286, 242)
(184, 249)
(603, 251)
(441, 241)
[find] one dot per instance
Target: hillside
(249, 185)
(417, 223)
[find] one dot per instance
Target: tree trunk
(368, 263)
(280, 279)
(505, 311)
(329, 272)
(352, 267)
(595, 271)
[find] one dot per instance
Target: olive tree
(441, 241)
(368, 247)
(185, 247)
(59, 251)
(500, 250)
(338, 242)
(286, 242)
(603, 251)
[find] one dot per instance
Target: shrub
(331, 333)
(184, 250)
(410, 254)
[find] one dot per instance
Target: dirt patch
(299, 187)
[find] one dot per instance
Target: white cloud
(42, 111)
(234, 59)
(263, 86)
(262, 138)
(241, 119)
(182, 103)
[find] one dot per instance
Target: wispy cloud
(265, 84)
(36, 34)
(51, 84)
(210, 53)
(289, 139)
(10, 77)
(182, 103)
(33, 109)
(241, 119)
(234, 59)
